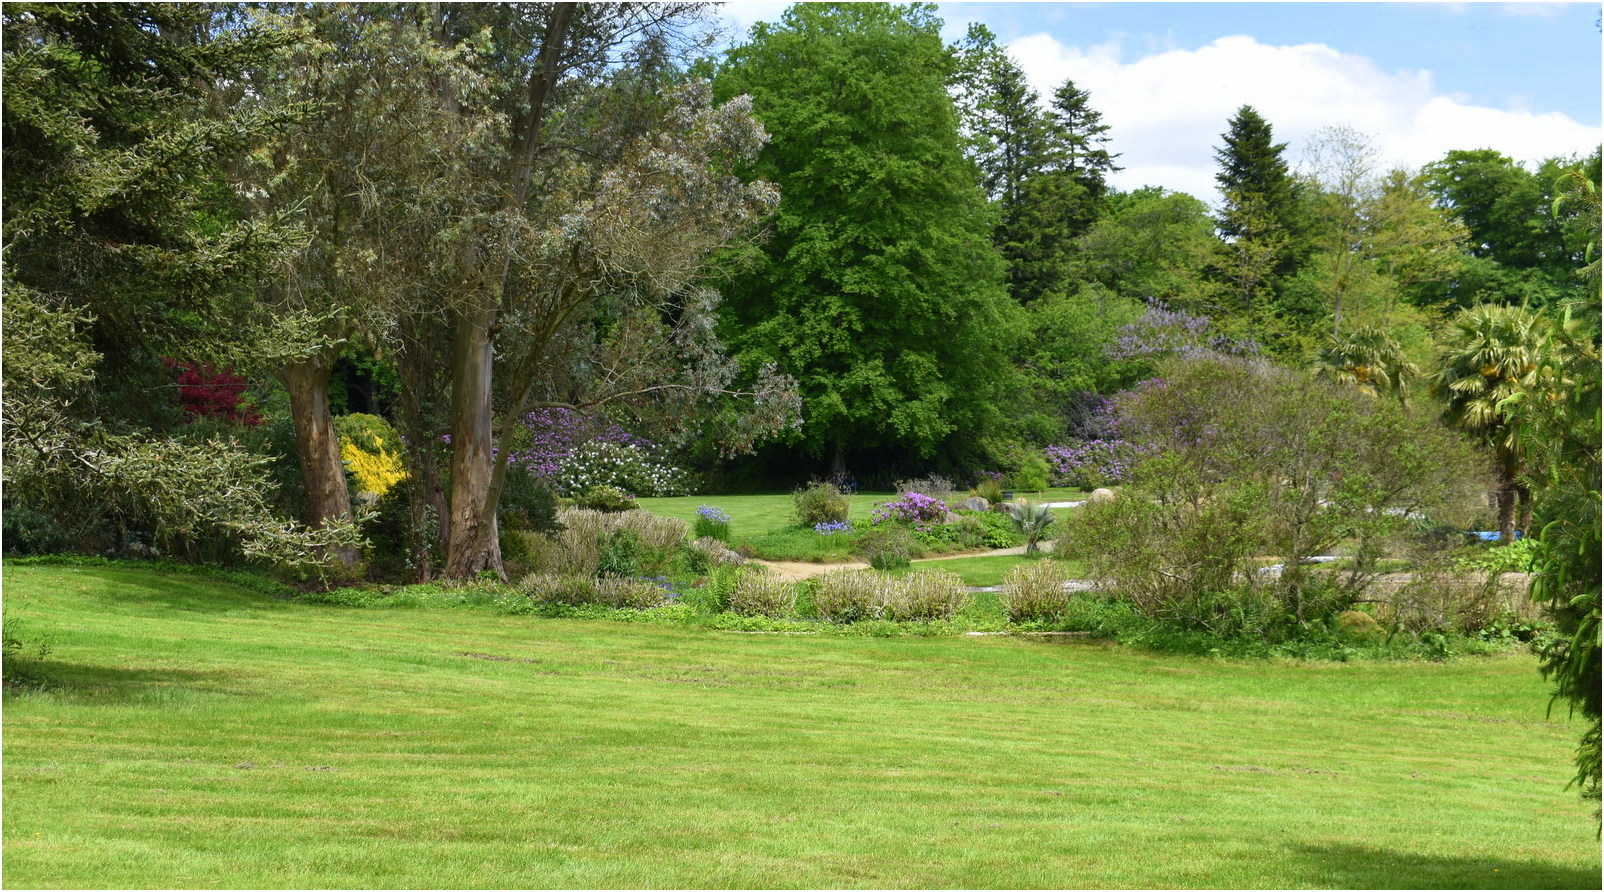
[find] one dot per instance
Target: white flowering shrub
(637, 470)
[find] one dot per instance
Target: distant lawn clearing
(199, 735)
(759, 514)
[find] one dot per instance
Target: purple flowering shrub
(1089, 464)
(1164, 332)
(914, 509)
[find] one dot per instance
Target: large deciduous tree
(1522, 249)
(877, 288)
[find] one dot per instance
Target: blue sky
(1417, 79)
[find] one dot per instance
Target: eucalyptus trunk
(474, 542)
(317, 447)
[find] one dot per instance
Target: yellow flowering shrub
(371, 451)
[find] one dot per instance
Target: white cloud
(1167, 110)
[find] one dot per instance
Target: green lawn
(752, 516)
(197, 735)
(988, 569)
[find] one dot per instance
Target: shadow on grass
(1359, 867)
(90, 684)
(165, 591)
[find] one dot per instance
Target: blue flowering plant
(831, 528)
(711, 521)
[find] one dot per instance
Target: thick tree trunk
(1506, 509)
(317, 446)
(838, 460)
(473, 544)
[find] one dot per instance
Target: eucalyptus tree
(1376, 236)
(548, 249)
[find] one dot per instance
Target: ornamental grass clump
(762, 594)
(924, 596)
(845, 596)
(886, 549)
(715, 553)
(1035, 592)
(711, 522)
(562, 589)
(577, 548)
(628, 594)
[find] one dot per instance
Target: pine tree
(1078, 135)
(1262, 220)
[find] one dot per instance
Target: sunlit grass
(191, 734)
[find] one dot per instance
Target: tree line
(842, 243)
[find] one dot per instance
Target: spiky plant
(1032, 521)
(1371, 360)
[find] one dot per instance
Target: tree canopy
(877, 287)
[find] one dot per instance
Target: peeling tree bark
(317, 447)
(474, 542)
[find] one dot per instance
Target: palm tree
(1032, 520)
(1491, 354)
(1371, 360)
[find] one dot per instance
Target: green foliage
(1031, 520)
(992, 529)
(1369, 359)
(819, 502)
(1151, 245)
(116, 199)
(885, 548)
(527, 503)
(1491, 354)
(1032, 474)
(619, 553)
(1560, 426)
(878, 279)
(607, 499)
(1251, 465)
